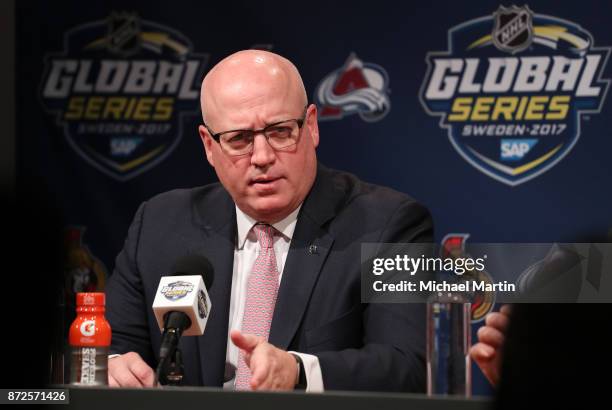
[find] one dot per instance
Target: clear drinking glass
(448, 344)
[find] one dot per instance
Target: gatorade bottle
(90, 337)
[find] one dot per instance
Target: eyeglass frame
(299, 121)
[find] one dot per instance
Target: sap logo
(121, 147)
(516, 149)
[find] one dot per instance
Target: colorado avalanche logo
(512, 88)
(356, 88)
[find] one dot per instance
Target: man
(283, 234)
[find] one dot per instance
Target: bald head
(255, 90)
(247, 79)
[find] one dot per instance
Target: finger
(125, 378)
(506, 309)
(482, 353)
(112, 382)
(484, 356)
(247, 358)
(498, 321)
(260, 369)
(491, 336)
(143, 373)
(244, 341)
(259, 378)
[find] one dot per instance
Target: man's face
(266, 184)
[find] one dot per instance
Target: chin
(270, 209)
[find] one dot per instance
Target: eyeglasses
(280, 135)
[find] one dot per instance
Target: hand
(491, 337)
(129, 370)
(271, 368)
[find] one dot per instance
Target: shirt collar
(285, 226)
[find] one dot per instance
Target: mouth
(264, 182)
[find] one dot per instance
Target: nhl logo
(513, 29)
(123, 34)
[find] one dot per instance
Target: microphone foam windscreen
(194, 264)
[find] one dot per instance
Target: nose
(263, 154)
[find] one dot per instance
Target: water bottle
(89, 339)
(448, 344)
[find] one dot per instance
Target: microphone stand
(175, 370)
(170, 367)
(170, 371)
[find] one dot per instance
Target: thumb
(243, 341)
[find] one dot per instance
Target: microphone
(182, 305)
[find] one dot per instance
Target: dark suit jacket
(318, 310)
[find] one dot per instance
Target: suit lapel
(299, 277)
(310, 246)
(219, 231)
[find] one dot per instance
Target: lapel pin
(312, 249)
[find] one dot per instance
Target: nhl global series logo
(119, 90)
(512, 90)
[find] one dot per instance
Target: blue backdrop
(107, 114)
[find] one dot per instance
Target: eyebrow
(266, 124)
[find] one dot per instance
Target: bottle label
(89, 366)
(88, 328)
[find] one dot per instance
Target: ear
(207, 141)
(312, 123)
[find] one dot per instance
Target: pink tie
(262, 288)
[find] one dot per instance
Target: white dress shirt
(245, 253)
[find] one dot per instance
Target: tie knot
(265, 235)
